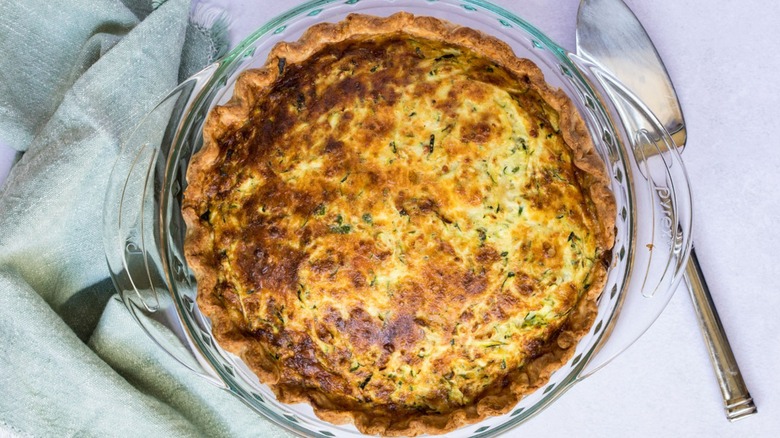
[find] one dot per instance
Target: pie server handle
(738, 402)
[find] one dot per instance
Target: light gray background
(724, 59)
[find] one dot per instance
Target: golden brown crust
(220, 302)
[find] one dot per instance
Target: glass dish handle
(131, 227)
(662, 232)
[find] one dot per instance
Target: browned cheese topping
(399, 226)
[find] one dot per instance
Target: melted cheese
(406, 216)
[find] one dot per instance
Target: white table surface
(723, 58)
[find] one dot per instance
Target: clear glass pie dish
(144, 230)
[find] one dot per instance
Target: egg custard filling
(399, 222)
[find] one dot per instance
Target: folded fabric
(75, 77)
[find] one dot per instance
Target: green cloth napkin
(75, 77)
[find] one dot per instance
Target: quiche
(399, 222)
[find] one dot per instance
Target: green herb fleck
(343, 229)
(279, 314)
(392, 146)
(522, 143)
(533, 319)
(320, 210)
(447, 56)
(340, 227)
(482, 235)
(365, 382)
(495, 344)
(508, 276)
(430, 143)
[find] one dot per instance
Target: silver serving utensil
(611, 37)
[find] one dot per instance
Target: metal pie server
(611, 38)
